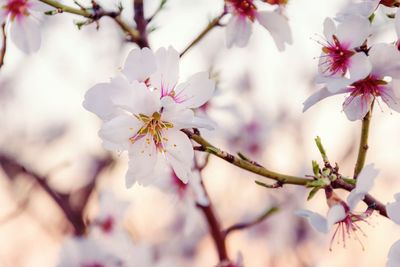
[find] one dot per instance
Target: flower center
(17, 8)
(244, 8)
(348, 228)
(338, 57)
(107, 225)
(153, 126)
(370, 85)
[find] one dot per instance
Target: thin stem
(207, 29)
(259, 219)
(363, 148)
(95, 14)
(246, 164)
(4, 46)
(67, 9)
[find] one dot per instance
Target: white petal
(397, 23)
(388, 96)
(196, 91)
(320, 95)
(365, 181)
(385, 59)
(359, 66)
(337, 84)
(393, 209)
(3, 15)
(278, 27)
(98, 100)
(179, 153)
(238, 31)
(394, 255)
(195, 183)
(166, 77)
(135, 97)
(180, 118)
(140, 64)
(204, 122)
(366, 178)
(118, 131)
(317, 221)
(25, 33)
(353, 31)
(142, 160)
(335, 214)
(329, 29)
(356, 107)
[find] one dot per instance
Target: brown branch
(4, 46)
(214, 225)
(74, 215)
(245, 225)
(141, 23)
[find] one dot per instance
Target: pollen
(153, 129)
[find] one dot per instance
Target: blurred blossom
(244, 13)
(21, 17)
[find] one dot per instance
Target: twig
(160, 7)
(245, 164)
(281, 178)
(259, 219)
(95, 14)
(207, 29)
(4, 46)
(141, 23)
(363, 148)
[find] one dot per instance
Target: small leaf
(313, 192)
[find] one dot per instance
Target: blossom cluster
(350, 64)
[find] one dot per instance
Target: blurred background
(258, 109)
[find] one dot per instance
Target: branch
(207, 29)
(259, 219)
(4, 46)
(95, 13)
(245, 164)
(75, 216)
(363, 148)
(141, 23)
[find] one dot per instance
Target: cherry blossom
(111, 213)
(367, 84)
(339, 58)
(363, 9)
(24, 26)
(342, 213)
(160, 72)
(137, 120)
(244, 13)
